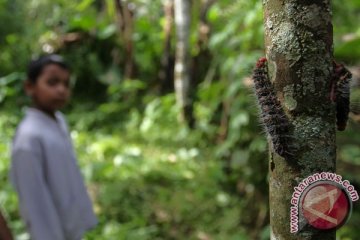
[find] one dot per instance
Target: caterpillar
(340, 94)
(272, 115)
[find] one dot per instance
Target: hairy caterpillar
(273, 117)
(340, 93)
(276, 123)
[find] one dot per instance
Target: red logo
(325, 206)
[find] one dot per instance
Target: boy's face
(51, 90)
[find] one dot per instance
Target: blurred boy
(53, 199)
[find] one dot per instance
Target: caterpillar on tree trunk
(273, 117)
(340, 94)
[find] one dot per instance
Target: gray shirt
(54, 202)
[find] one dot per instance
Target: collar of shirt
(38, 113)
(59, 122)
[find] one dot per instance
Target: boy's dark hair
(36, 66)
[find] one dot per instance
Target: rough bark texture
(182, 68)
(298, 39)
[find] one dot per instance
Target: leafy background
(149, 176)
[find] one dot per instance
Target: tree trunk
(125, 24)
(204, 27)
(182, 57)
(166, 74)
(201, 62)
(298, 39)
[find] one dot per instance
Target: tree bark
(298, 40)
(182, 57)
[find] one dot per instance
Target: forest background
(153, 170)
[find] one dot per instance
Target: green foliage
(8, 86)
(146, 186)
(346, 30)
(150, 177)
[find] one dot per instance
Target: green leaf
(84, 22)
(84, 5)
(349, 50)
(107, 32)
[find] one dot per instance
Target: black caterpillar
(340, 93)
(274, 119)
(276, 123)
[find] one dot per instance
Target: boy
(53, 199)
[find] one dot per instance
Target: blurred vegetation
(149, 176)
